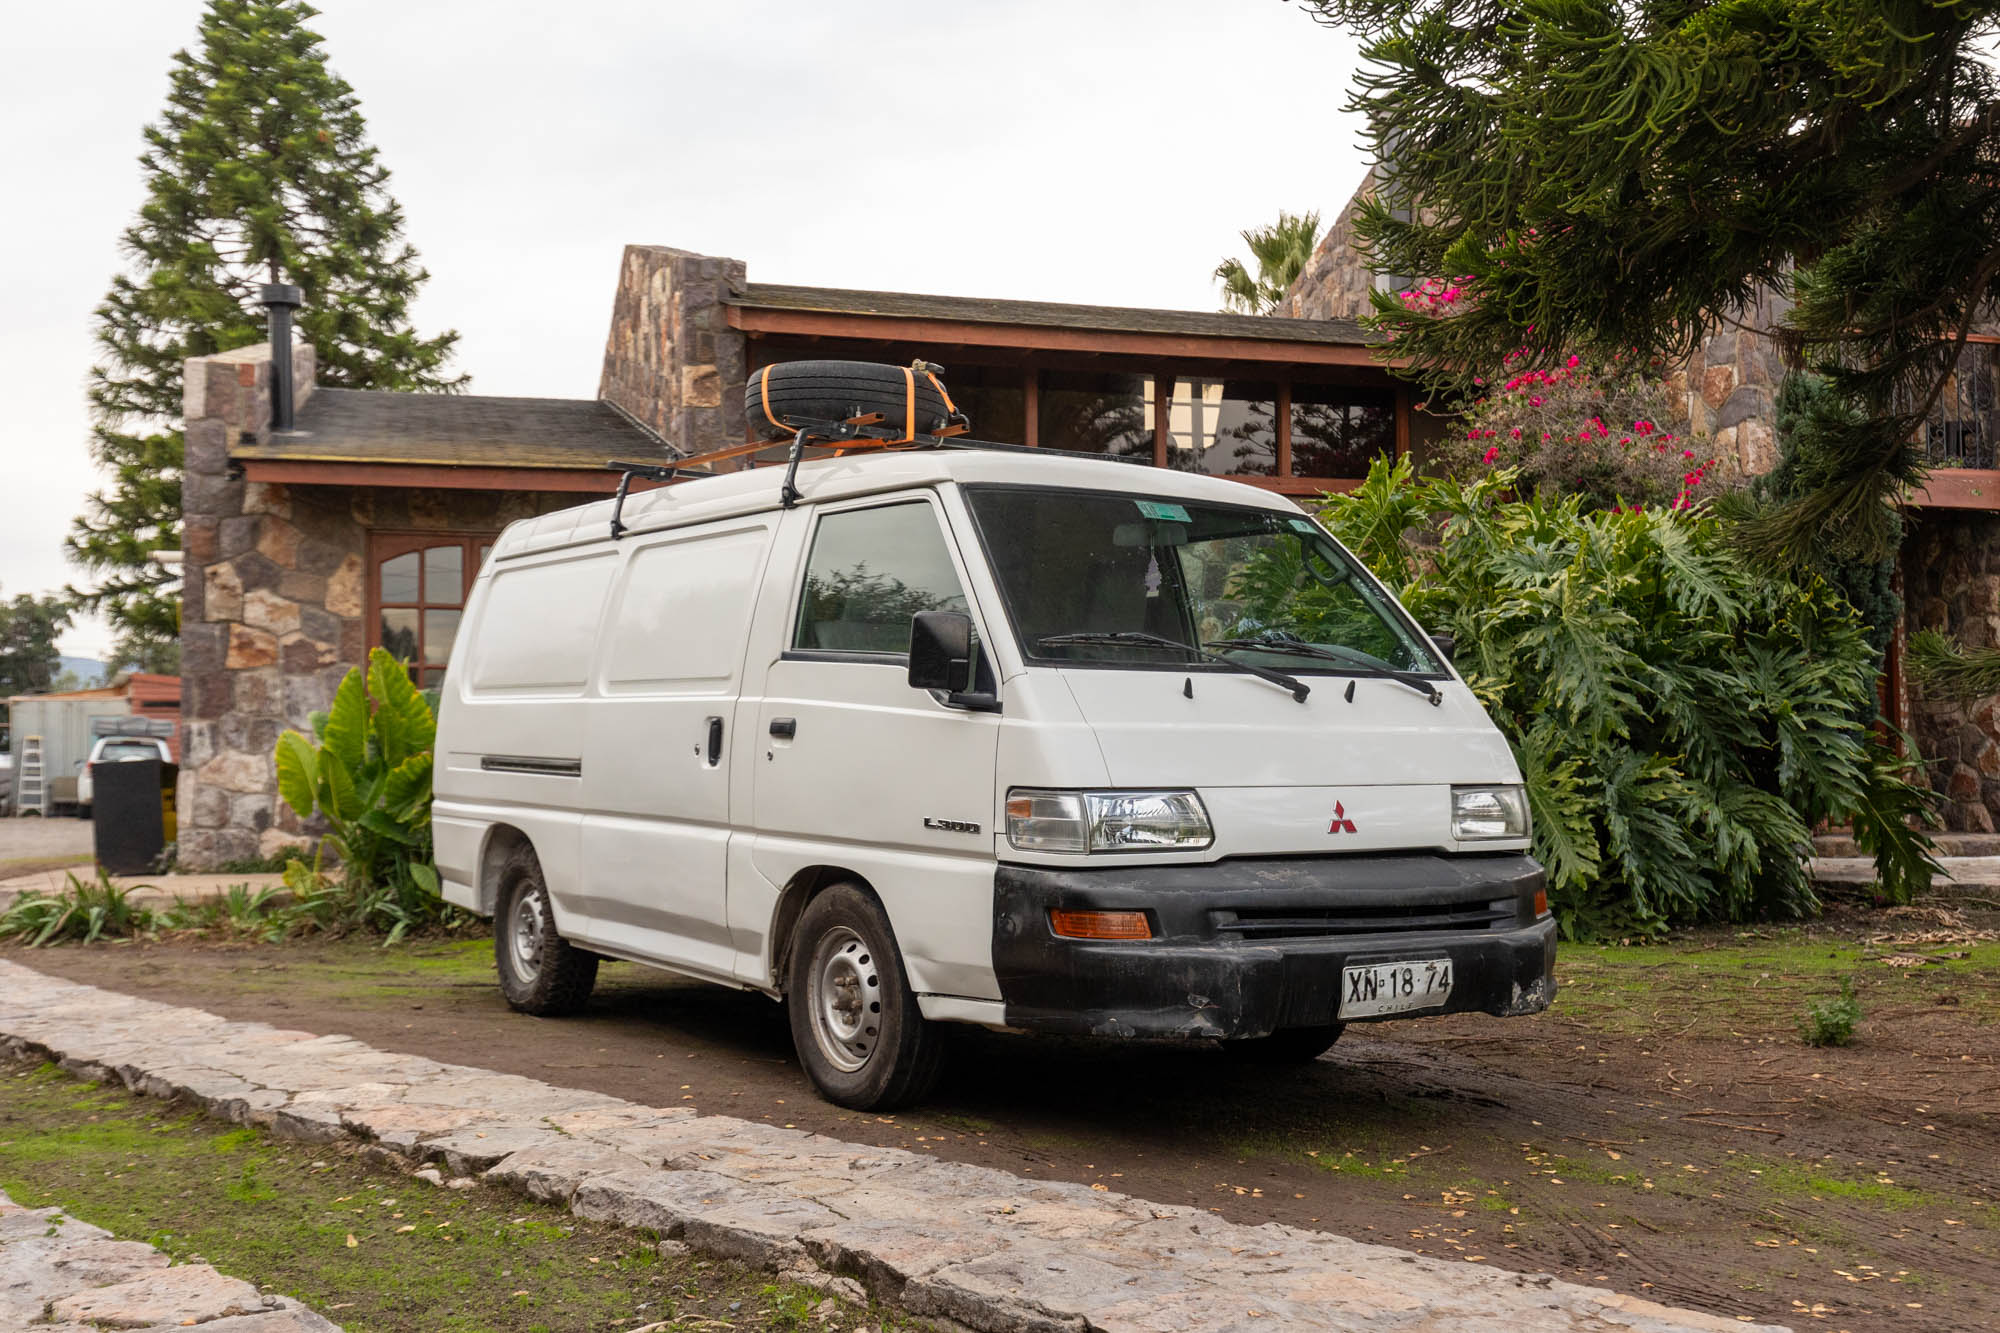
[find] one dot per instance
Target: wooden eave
(434, 474)
(760, 321)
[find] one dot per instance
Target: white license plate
(1394, 988)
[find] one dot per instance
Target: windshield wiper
(1139, 638)
(1300, 648)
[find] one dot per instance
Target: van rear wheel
(862, 1039)
(541, 973)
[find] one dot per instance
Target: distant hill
(89, 671)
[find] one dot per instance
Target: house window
(1096, 413)
(1223, 427)
(417, 588)
(1337, 430)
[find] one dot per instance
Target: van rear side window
(683, 613)
(538, 626)
(870, 571)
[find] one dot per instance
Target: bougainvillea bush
(1682, 720)
(1612, 436)
(1611, 433)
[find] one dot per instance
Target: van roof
(754, 491)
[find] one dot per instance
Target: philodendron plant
(369, 777)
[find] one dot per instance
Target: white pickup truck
(115, 750)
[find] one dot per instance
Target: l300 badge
(950, 825)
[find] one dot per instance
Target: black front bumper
(1246, 947)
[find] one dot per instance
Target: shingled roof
(381, 426)
(1049, 314)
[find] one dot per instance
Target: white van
(983, 736)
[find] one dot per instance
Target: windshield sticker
(1166, 513)
(1304, 525)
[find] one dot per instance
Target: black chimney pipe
(280, 299)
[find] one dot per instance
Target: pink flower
(1574, 362)
(1492, 452)
(1535, 400)
(1687, 453)
(1515, 433)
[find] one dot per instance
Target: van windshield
(1075, 567)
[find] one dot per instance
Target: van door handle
(784, 728)
(714, 741)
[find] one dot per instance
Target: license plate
(1394, 988)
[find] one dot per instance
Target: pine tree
(1608, 177)
(258, 171)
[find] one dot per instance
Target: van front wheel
(854, 1019)
(541, 973)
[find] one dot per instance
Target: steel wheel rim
(525, 939)
(844, 995)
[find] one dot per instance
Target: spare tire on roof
(781, 399)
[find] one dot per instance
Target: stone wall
(273, 601)
(1336, 281)
(671, 359)
(1951, 583)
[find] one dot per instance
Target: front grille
(1277, 923)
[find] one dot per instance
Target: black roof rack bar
(627, 471)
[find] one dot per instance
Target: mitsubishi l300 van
(966, 735)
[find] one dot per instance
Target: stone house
(320, 523)
(1949, 569)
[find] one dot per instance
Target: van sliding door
(657, 743)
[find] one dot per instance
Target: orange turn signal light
(1541, 902)
(1100, 925)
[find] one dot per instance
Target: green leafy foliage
(1813, 417)
(258, 170)
(1608, 178)
(1831, 1022)
(29, 627)
(1681, 719)
(369, 778)
(85, 911)
(1949, 671)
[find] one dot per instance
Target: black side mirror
(1446, 641)
(941, 651)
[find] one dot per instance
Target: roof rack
(836, 439)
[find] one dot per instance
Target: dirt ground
(1662, 1130)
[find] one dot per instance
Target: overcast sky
(1072, 150)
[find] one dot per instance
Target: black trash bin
(125, 807)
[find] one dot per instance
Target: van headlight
(1481, 813)
(1106, 821)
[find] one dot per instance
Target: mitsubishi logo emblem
(1341, 823)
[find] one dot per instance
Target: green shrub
(85, 911)
(1682, 720)
(369, 777)
(1831, 1022)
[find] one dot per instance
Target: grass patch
(373, 1249)
(1721, 982)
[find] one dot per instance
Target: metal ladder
(31, 788)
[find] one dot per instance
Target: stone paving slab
(58, 1274)
(991, 1251)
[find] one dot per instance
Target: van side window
(869, 572)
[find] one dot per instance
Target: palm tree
(1281, 251)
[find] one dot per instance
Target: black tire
(803, 391)
(541, 973)
(895, 1055)
(1288, 1046)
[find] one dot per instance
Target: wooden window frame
(383, 546)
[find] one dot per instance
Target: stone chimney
(671, 361)
(258, 637)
